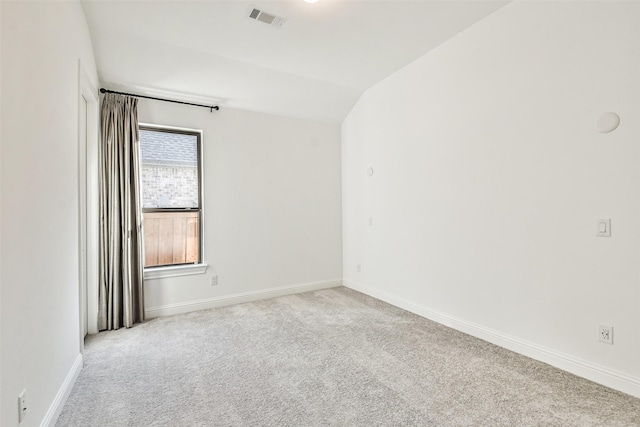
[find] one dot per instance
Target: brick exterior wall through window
(169, 186)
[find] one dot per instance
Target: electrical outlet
(214, 280)
(605, 334)
(359, 268)
(22, 405)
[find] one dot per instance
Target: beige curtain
(121, 296)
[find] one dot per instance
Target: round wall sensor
(607, 122)
(370, 171)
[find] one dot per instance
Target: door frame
(88, 205)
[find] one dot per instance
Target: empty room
(329, 212)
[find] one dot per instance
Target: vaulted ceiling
(316, 66)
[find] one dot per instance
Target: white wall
(272, 201)
(489, 176)
(1, 381)
(41, 45)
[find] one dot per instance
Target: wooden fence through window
(170, 238)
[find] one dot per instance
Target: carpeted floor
(333, 358)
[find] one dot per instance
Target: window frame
(182, 269)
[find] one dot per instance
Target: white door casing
(88, 203)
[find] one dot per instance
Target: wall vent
(267, 18)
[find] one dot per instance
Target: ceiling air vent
(267, 18)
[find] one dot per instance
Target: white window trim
(174, 271)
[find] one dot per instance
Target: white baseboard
(591, 371)
(51, 417)
(203, 304)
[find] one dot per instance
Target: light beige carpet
(327, 358)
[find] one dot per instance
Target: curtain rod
(211, 107)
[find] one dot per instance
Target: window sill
(174, 271)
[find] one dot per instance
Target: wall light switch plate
(603, 227)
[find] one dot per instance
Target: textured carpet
(333, 357)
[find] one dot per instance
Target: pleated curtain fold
(121, 293)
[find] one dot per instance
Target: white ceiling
(315, 67)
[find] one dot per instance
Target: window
(171, 169)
